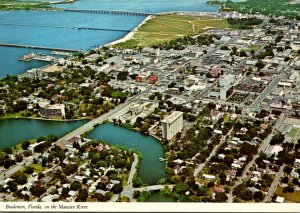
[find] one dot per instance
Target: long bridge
(112, 12)
(64, 27)
(38, 47)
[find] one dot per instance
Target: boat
(162, 159)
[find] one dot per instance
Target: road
(269, 88)
(133, 169)
(262, 148)
(274, 185)
(18, 166)
(128, 192)
(223, 140)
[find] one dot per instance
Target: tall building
(172, 124)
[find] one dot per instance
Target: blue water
(153, 6)
(42, 27)
(151, 169)
(9, 63)
(13, 131)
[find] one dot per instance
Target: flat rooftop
(172, 117)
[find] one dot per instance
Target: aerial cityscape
(149, 101)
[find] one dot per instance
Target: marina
(38, 57)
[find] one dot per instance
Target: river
(13, 131)
(151, 169)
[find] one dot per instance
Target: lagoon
(151, 169)
(13, 131)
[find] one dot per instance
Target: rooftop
(172, 117)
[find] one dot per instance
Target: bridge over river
(112, 12)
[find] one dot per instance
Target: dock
(39, 57)
(65, 27)
(38, 47)
(111, 12)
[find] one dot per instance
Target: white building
(172, 124)
(52, 111)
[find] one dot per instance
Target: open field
(294, 197)
(20, 5)
(293, 133)
(30, 5)
(165, 28)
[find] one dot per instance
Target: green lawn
(37, 167)
(294, 197)
(165, 28)
(293, 133)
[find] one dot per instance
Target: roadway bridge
(38, 47)
(112, 12)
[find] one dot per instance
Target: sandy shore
(129, 35)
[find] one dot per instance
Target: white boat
(162, 159)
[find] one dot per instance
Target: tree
(70, 168)
(19, 158)
(258, 196)
(75, 186)
(117, 189)
(7, 150)
(285, 179)
(210, 184)
(259, 64)
(19, 177)
(221, 197)
(248, 149)
(37, 189)
(28, 170)
(136, 194)
(288, 169)
(122, 76)
(25, 145)
(82, 195)
(13, 187)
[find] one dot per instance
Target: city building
(172, 124)
(52, 110)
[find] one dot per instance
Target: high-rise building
(172, 124)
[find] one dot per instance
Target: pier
(65, 27)
(112, 12)
(38, 47)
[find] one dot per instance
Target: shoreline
(45, 119)
(130, 34)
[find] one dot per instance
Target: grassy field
(30, 5)
(294, 197)
(164, 28)
(293, 133)
(22, 5)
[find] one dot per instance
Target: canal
(13, 131)
(151, 169)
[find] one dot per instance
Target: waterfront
(13, 131)
(60, 29)
(154, 6)
(151, 169)
(55, 29)
(157, 197)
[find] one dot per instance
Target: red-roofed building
(218, 190)
(152, 79)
